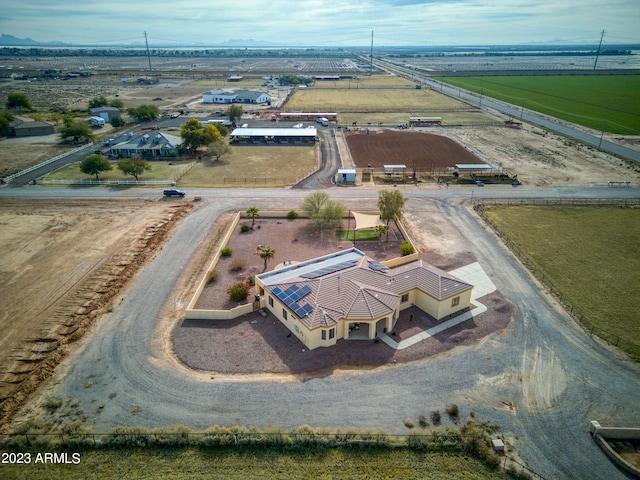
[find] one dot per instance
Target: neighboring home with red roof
(326, 298)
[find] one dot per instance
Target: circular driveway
(542, 380)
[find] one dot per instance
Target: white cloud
(324, 22)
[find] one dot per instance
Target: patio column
(372, 330)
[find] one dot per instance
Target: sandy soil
(61, 266)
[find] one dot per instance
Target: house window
(332, 333)
(324, 334)
(284, 314)
(271, 301)
(455, 302)
(405, 298)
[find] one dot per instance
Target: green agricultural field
(611, 102)
(255, 166)
(241, 464)
(590, 255)
(369, 100)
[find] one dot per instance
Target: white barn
(239, 96)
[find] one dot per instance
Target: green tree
(117, 103)
(117, 121)
(100, 101)
(144, 112)
(266, 253)
(18, 101)
(253, 213)
(5, 123)
(219, 148)
(238, 291)
(381, 230)
(134, 166)
(77, 130)
(390, 203)
(330, 216)
(313, 203)
(224, 131)
(94, 165)
(235, 112)
(196, 135)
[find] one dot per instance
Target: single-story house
(327, 298)
(108, 113)
(31, 129)
(238, 96)
(274, 135)
(147, 145)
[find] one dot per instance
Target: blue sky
(327, 23)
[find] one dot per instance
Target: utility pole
(371, 64)
(598, 52)
(148, 54)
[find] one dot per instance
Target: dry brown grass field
(369, 100)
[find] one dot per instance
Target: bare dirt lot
(61, 266)
(392, 147)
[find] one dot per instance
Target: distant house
(327, 298)
(107, 113)
(31, 129)
(239, 96)
(147, 145)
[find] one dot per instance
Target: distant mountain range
(11, 41)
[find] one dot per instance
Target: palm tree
(381, 230)
(266, 253)
(253, 213)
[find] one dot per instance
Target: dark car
(169, 192)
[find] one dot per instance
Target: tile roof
(366, 289)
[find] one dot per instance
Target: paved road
(556, 377)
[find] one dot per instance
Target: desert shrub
(423, 421)
(226, 252)
(435, 417)
(53, 403)
(408, 423)
(292, 214)
(417, 440)
(214, 275)
(238, 291)
(129, 436)
(237, 265)
(453, 412)
(245, 228)
(406, 248)
(251, 280)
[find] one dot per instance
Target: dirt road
(555, 377)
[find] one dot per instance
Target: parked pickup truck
(169, 192)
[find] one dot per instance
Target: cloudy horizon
(323, 22)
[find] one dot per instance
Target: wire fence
(46, 181)
(627, 344)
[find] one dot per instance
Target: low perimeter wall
(199, 314)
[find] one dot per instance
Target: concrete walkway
(482, 285)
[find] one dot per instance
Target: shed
(394, 169)
(473, 167)
(107, 113)
(32, 129)
(346, 175)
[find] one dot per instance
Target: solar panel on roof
(378, 267)
(330, 269)
(305, 290)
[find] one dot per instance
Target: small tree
(313, 203)
(117, 121)
(253, 213)
(76, 130)
(219, 148)
(134, 166)
(266, 253)
(144, 112)
(94, 165)
(100, 101)
(330, 216)
(196, 135)
(18, 101)
(381, 230)
(5, 123)
(235, 112)
(390, 203)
